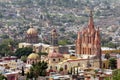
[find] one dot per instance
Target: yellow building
(33, 58)
(66, 61)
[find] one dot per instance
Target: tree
(24, 58)
(4, 36)
(10, 42)
(115, 75)
(61, 69)
(7, 47)
(38, 69)
(74, 36)
(27, 76)
(64, 42)
(62, 29)
(2, 77)
(112, 63)
(23, 51)
(107, 55)
(23, 71)
(111, 45)
(42, 53)
(43, 66)
(5, 50)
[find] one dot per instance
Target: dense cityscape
(59, 40)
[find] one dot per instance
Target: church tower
(54, 38)
(54, 41)
(88, 40)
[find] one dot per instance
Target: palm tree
(43, 68)
(38, 69)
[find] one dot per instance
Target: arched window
(33, 62)
(50, 67)
(59, 59)
(53, 59)
(28, 62)
(103, 65)
(83, 50)
(65, 67)
(90, 50)
(56, 67)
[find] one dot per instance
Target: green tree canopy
(4, 36)
(2, 77)
(63, 42)
(38, 69)
(24, 58)
(42, 53)
(62, 29)
(115, 75)
(23, 51)
(112, 63)
(7, 46)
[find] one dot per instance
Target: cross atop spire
(91, 22)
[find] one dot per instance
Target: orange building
(88, 40)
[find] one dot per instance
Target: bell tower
(54, 41)
(54, 38)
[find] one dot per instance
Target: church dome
(54, 54)
(31, 31)
(33, 56)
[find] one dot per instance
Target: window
(56, 67)
(53, 59)
(65, 67)
(50, 67)
(90, 50)
(59, 59)
(28, 62)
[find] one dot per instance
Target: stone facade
(88, 40)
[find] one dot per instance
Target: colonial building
(88, 41)
(31, 40)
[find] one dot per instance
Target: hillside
(72, 15)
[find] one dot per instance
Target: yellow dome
(33, 56)
(27, 71)
(31, 31)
